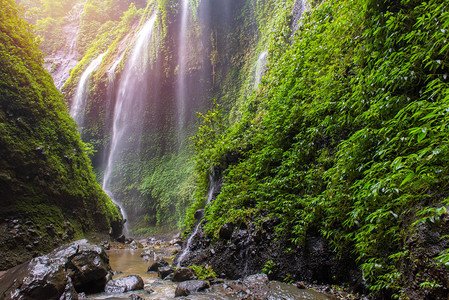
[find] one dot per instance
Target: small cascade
(78, 108)
(260, 68)
(187, 250)
(113, 68)
(298, 9)
(181, 75)
(129, 104)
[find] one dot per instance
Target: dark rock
(169, 277)
(185, 288)
(136, 245)
(164, 271)
(199, 214)
(258, 285)
(243, 251)
(69, 291)
(78, 266)
(226, 231)
(106, 246)
(129, 283)
(301, 285)
(157, 264)
(183, 274)
(50, 230)
(32, 232)
(135, 297)
(90, 267)
(121, 239)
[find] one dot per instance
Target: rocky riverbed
(137, 270)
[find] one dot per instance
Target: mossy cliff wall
(48, 190)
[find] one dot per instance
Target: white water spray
(79, 103)
(260, 68)
(187, 250)
(129, 105)
(181, 75)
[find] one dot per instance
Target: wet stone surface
(78, 267)
(129, 283)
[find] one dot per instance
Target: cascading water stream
(260, 68)
(298, 9)
(129, 104)
(186, 250)
(181, 75)
(79, 103)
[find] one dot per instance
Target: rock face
(78, 267)
(129, 283)
(243, 250)
(185, 288)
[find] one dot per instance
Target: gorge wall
(328, 132)
(48, 190)
(198, 51)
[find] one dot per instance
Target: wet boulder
(77, 267)
(89, 268)
(258, 285)
(186, 288)
(69, 292)
(129, 283)
(183, 274)
(164, 272)
(156, 265)
(135, 244)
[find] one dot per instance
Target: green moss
(346, 135)
(46, 174)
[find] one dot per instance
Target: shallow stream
(127, 262)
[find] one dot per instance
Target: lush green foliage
(45, 174)
(203, 273)
(347, 135)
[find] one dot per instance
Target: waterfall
(65, 59)
(129, 105)
(181, 75)
(79, 102)
(260, 68)
(187, 250)
(298, 9)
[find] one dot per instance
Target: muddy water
(131, 262)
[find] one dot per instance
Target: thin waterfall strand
(129, 103)
(181, 76)
(78, 108)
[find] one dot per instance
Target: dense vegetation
(346, 136)
(156, 184)
(46, 179)
(95, 17)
